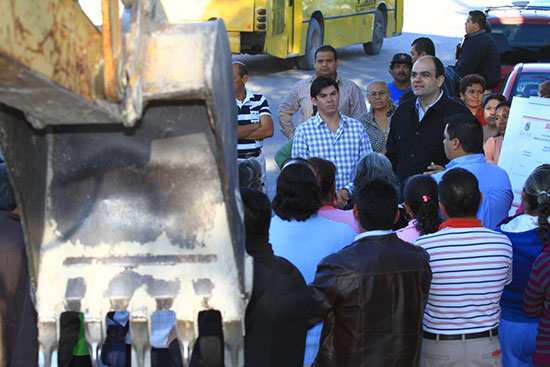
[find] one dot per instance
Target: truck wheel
(313, 42)
(378, 33)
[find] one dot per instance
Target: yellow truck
(296, 28)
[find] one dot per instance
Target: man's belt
(244, 154)
(481, 334)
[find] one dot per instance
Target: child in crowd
(422, 207)
(527, 232)
(493, 145)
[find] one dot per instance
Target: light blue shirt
(494, 184)
(421, 112)
(305, 244)
(396, 93)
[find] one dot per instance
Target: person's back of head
(479, 18)
(7, 196)
(421, 197)
(298, 193)
(537, 198)
(326, 173)
(544, 89)
(374, 165)
(241, 67)
(424, 45)
(468, 130)
(459, 194)
(376, 205)
(257, 217)
(250, 174)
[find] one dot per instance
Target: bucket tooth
(141, 347)
(47, 339)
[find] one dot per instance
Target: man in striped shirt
(470, 265)
(254, 117)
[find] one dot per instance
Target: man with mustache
(400, 70)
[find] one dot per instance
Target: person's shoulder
(308, 124)
(452, 106)
(352, 121)
(348, 82)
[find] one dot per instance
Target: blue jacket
(479, 55)
(526, 247)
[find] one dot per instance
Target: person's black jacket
(479, 55)
(373, 292)
(276, 319)
(411, 145)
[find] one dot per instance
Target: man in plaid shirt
(332, 136)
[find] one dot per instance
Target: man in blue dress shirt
(463, 143)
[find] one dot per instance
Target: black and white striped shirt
(249, 112)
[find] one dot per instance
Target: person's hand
(434, 168)
(172, 336)
(342, 197)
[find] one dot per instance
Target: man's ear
(245, 78)
(314, 101)
(440, 81)
(356, 213)
(443, 210)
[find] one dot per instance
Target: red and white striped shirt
(470, 266)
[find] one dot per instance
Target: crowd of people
(397, 218)
(389, 240)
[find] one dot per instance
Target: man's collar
(475, 33)
(338, 78)
(460, 223)
(378, 232)
(466, 158)
(417, 102)
(319, 119)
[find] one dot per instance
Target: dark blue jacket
(479, 55)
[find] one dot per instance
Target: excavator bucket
(131, 205)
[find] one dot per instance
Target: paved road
(442, 21)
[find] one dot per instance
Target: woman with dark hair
(326, 172)
(490, 103)
(301, 236)
(528, 232)
(422, 207)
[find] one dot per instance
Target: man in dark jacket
(18, 319)
(415, 141)
(478, 53)
(276, 319)
(373, 291)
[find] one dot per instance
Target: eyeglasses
(380, 93)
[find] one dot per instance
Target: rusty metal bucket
(140, 216)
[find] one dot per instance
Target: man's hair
(424, 44)
(326, 48)
(544, 88)
(7, 196)
(489, 97)
(321, 83)
(504, 104)
(250, 174)
(478, 17)
(439, 68)
(459, 193)
(376, 202)
(326, 173)
(297, 194)
(373, 165)
(257, 212)
(241, 67)
(469, 80)
(467, 129)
